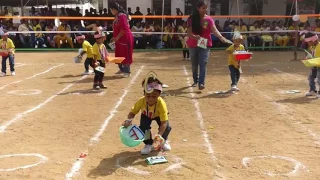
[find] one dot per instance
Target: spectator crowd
(264, 33)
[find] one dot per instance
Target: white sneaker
(44, 45)
(126, 75)
(166, 146)
(311, 93)
(2, 74)
(86, 73)
(119, 72)
(146, 150)
(13, 73)
(235, 88)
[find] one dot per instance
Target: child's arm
(230, 50)
(162, 127)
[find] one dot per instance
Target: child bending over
(153, 108)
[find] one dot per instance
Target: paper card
(112, 45)
(100, 69)
(202, 43)
(156, 160)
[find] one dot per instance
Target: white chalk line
(202, 126)
(19, 65)
(18, 116)
(41, 157)
(178, 162)
(284, 109)
(314, 135)
(297, 165)
(31, 77)
(25, 92)
(96, 138)
(200, 117)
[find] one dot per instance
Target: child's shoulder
(230, 47)
(161, 101)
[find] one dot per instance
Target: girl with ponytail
(200, 27)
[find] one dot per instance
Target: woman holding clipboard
(122, 37)
(200, 27)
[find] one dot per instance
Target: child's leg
(167, 131)
(233, 75)
(11, 62)
(86, 64)
(311, 78)
(188, 54)
(318, 79)
(184, 53)
(101, 76)
(4, 64)
(237, 73)
(145, 126)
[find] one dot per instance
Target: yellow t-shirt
(232, 60)
(36, 26)
(316, 50)
(96, 50)
(87, 47)
(7, 44)
(160, 111)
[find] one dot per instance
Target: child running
(87, 49)
(233, 64)
(8, 47)
(100, 58)
(153, 108)
(313, 43)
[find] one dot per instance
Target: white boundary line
(284, 109)
(297, 165)
(200, 117)
(26, 92)
(202, 126)
(176, 165)
(19, 65)
(41, 157)
(38, 74)
(18, 116)
(96, 138)
(291, 75)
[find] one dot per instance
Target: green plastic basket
(131, 136)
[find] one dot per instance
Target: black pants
(88, 62)
(145, 124)
(98, 76)
(234, 74)
(186, 53)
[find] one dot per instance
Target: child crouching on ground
(100, 58)
(313, 43)
(7, 47)
(153, 108)
(87, 49)
(233, 64)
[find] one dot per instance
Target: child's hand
(97, 63)
(127, 123)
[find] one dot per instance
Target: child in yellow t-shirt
(152, 108)
(313, 42)
(233, 64)
(100, 57)
(87, 49)
(7, 48)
